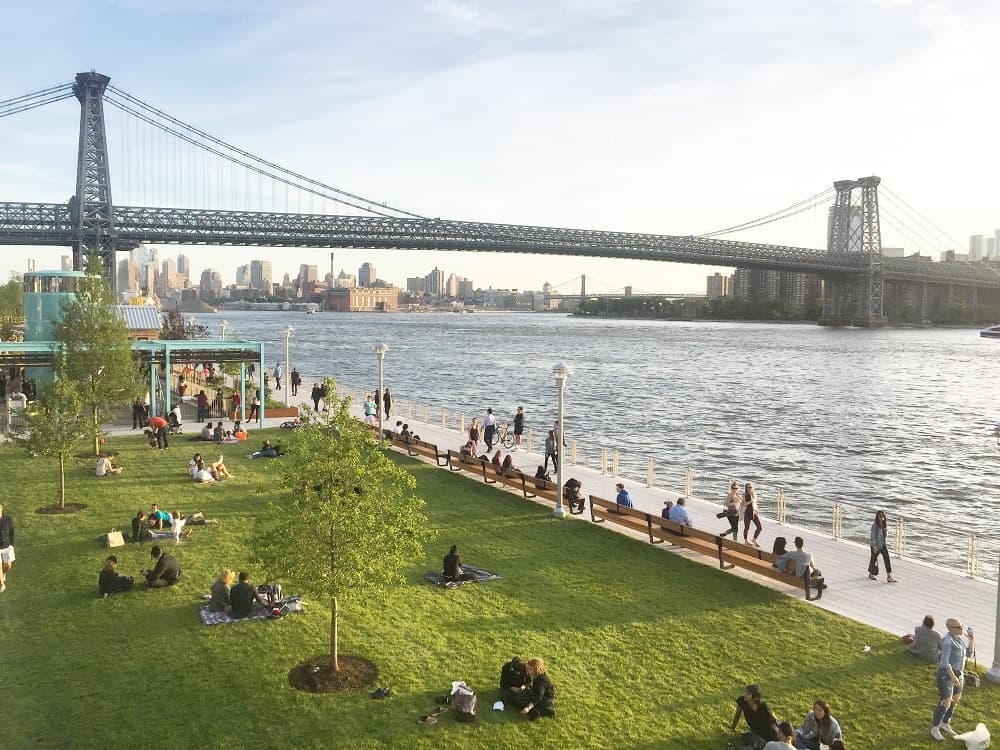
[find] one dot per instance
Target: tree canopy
(347, 522)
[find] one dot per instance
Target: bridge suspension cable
(796, 208)
(906, 207)
(35, 99)
(166, 123)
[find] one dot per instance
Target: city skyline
(573, 116)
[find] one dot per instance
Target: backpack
(270, 591)
(464, 702)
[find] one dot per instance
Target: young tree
(177, 328)
(97, 355)
(55, 426)
(347, 522)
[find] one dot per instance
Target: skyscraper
(366, 275)
(260, 275)
(717, 286)
(976, 247)
(434, 283)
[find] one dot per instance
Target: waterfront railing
(976, 555)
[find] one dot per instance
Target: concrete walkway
(896, 608)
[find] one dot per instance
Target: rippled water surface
(900, 419)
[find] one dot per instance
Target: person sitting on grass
(925, 643)
(229, 437)
(193, 464)
(111, 581)
(541, 695)
(266, 451)
(819, 728)
(785, 736)
(166, 572)
(759, 717)
(217, 433)
(243, 596)
(452, 567)
(514, 682)
(206, 433)
(140, 531)
(219, 600)
(104, 467)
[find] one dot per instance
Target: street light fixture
(288, 333)
(222, 327)
(380, 350)
(562, 371)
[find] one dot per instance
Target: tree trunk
(62, 481)
(333, 635)
(97, 430)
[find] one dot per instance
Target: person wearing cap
(623, 499)
(955, 648)
(785, 736)
(759, 717)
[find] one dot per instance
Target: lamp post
(222, 327)
(562, 371)
(380, 350)
(288, 333)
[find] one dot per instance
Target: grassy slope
(645, 648)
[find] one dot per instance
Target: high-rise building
(128, 275)
(466, 289)
(416, 284)
(366, 275)
(451, 287)
(168, 276)
(345, 280)
(434, 282)
(975, 247)
(260, 275)
(243, 275)
(991, 248)
(756, 284)
(717, 286)
(183, 264)
(308, 274)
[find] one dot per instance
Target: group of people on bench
(803, 561)
(527, 687)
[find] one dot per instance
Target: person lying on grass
(211, 473)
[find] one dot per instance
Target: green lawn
(646, 649)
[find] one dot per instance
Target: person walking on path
(518, 427)
(139, 415)
(751, 514)
(955, 648)
(316, 395)
(489, 429)
(296, 381)
(386, 402)
(278, 374)
(877, 541)
(731, 512)
(474, 436)
(551, 451)
(6, 547)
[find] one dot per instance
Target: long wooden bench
(529, 486)
(726, 551)
(414, 447)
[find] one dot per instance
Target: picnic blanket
(221, 618)
(435, 577)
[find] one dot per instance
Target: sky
(669, 116)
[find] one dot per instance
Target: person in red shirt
(159, 427)
(202, 400)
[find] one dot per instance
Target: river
(897, 418)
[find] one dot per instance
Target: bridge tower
(91, 207)
(855, 228)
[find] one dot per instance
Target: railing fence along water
(917, 538)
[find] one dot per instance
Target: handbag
(873, 567)
(115, 539)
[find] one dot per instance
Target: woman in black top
(452, 567)
(112, 582)
(518, 427)
(542, 694)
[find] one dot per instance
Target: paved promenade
(896, 608)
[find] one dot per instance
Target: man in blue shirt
(678, 513)
(954, 650)
(624, 500)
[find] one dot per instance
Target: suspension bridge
(186, 186)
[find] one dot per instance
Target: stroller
(174, 427)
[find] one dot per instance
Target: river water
(900, 419)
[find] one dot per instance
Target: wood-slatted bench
(727, 552)
(414, 447)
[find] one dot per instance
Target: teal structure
(44, 293)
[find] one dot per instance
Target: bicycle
(503, 435)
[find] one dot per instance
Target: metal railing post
(529, 442)
(838, 518)
(649, 472)
(781, 506)
(604, 461)
(427, 414)
(972, 561)
(572, 452)
(900, 532)
(614, 463)
(461, 423)
(688, 482)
